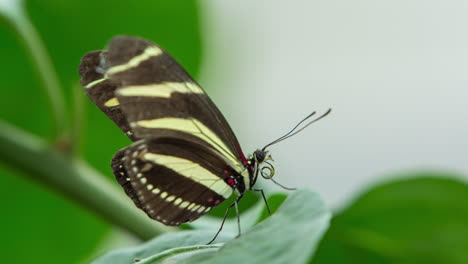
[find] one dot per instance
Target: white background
(394, 72)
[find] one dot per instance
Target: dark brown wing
(173, 180)
(101, 90)
(137, 81)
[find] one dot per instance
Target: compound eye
(260, 155)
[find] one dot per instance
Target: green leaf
(274, 201)
(256, 213)
(176, 241)
(289, 236)
(248, 219)
(418, 220)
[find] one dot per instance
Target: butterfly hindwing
(122, 176)
(176, 181)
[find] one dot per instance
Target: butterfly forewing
(101, 90)
(176, 181)
(149, 78)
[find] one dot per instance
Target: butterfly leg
(225, 217)
(264, 199)
(238, 218)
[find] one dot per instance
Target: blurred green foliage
(421, 219)
(39, 226)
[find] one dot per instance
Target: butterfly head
(260, 162)
(260, 155)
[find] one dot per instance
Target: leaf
(274, 201)
(289, 236)
(175, 240)
(418, 220)
(249, 217)
(297, 226)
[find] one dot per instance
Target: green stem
(75, 179)
(43, 64)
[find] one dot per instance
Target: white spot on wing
(201, 209)
(196, 207)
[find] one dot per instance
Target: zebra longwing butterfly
(185, 158)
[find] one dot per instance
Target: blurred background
(394, 73)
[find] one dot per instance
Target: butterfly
(184, 159)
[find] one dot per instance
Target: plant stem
(42, 61)
(75, 179)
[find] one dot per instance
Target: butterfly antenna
(282, 186)
(294, 131)
(268, 171)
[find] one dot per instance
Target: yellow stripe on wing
(193, 127)
(192, 171)
(149, 52)
(91, 84)
(164, 89)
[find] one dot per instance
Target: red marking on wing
(231, 182)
